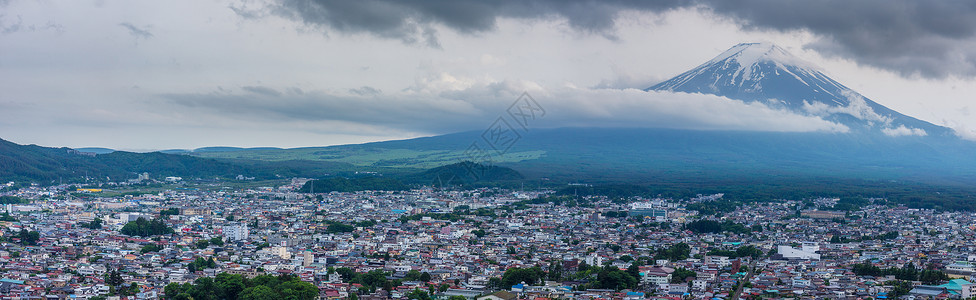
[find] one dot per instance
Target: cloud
(663, 109)
(442, 105)
(960, 130)
(413, 21)
(136, 31)
(965, 133)
(856, 107)
(901, 130)
(11, 28)
(261, 90)
(366, 91)
(933, 39)
(928, 38)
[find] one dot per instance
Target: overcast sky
(142, 75)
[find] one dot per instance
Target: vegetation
(615, 214)
(849, 204)
(28, 238)
(141, 227)
(463, 173)
(908, 272)
(626, 157)
(115, 282)
(610, 277)
(676, 252)
(681, 274)
(12, 200)
(170, 212)
(94, 224)
(714, 207)
(200, 264)
(233, 287)
(901, 288)
(744, 251)
(419, 295)
(370, 280)
(336, 227)
(150, 248)
(414, 275)
(515, 276)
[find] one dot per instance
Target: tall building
(235, 232)
(807, 252)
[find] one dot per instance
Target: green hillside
(367, 155)
(49, 165)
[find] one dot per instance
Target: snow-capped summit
(769, 74)
(748, 55)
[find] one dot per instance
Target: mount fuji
(878, 143)
(879, 146)
(766, 73)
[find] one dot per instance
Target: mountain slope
(46, 165)
(465, 172)
(766, 73)
(882, 144)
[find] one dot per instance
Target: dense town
(187, 240)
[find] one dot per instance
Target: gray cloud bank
(444, 110)
(932, 39)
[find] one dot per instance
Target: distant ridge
(215, 149)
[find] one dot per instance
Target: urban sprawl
(202, 241)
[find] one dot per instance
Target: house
(502, 295)
(657, 276)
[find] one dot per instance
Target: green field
(369, 157)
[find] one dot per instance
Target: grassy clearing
(370, 157)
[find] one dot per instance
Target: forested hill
(44, 164)
(462, 173)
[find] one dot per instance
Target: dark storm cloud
(411, 20)
(136, 31)
(929, 38)
(934, 39)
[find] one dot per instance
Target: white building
(594, 260)
(961, 267)
(807, 252)
(133, 216)
(657, 276)
(235, 232)
(721, 261)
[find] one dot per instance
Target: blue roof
(955, 284)
(12, 281)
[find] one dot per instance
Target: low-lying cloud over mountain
(449, 104)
